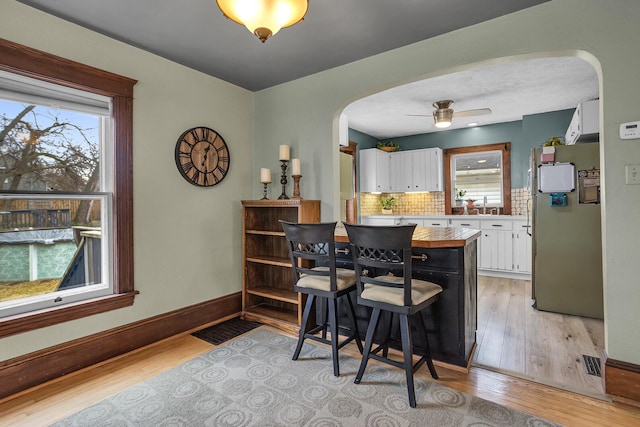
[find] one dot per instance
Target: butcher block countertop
(430, 237)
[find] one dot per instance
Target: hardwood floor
(57, 399)
(515, 338)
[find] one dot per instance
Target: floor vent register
(592, 365)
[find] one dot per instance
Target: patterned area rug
(252, 381)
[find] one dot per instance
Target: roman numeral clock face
(202, 156)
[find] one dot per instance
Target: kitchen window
(66, 189)
(481, 171)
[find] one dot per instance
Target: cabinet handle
(345, 251)
(422, 257)
(468, 225)
(435, 223)
(496, 225)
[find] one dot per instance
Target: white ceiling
(510, 90)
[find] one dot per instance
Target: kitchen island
(445, 256)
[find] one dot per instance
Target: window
(75, 189)
(480, 171)
(479, 176)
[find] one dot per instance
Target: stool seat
(344, 279)
(421, 291)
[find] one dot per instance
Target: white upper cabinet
(585, 124)
(374, 170)
(402, 171)
(427, 170)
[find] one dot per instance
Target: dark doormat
(217, 334)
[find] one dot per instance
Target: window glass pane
(46, 149)
(479, 175)
(51, 248)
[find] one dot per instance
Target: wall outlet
(632, 174)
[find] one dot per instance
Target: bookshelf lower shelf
(279, 294)
(272, 315)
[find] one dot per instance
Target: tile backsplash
(431, 203)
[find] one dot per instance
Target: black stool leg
(427, 351)
(368, 342)
(387, 334)
(407, 352)
(333, 326)
(303, 326)
(325, 319)
(354, 322)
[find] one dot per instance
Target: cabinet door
(522, 248)
(383, 160)
(368, 170)
(419, 170)
(399, 172)
(433, 164)
(496, 250)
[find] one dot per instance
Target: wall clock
(202, 156)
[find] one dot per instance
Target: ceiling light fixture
(264, 18)
(442, 117)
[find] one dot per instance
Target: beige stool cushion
(345, 278)
(420, 291)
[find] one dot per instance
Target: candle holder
(264, 197)
(283, 180)
(296, 186)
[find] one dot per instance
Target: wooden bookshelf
(267, 275)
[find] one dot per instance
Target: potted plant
(387, 205)
(388, 146)
(459, 195)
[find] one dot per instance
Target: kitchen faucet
(484, 206)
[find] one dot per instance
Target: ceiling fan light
(442, 117)
(264, 18)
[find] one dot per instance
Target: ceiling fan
(443, 114)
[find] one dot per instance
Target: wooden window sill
(25, 322)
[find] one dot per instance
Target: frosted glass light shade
(264, 18)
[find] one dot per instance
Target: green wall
(186, 244)
(305, 113)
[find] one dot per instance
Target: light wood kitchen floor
(514, 338)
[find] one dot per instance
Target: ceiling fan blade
(468, 113)
(418, 115)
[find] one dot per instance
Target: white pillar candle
(295, 167)
(284, 152)
(265, 175)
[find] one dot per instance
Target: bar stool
(389, 248)
(311, 245)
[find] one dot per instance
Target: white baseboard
(505, 274)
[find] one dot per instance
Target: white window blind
(14, 87)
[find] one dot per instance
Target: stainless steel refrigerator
(567, 249)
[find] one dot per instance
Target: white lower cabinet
(522, 248)
(496, 250)
(391, 220)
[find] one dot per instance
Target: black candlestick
(283, 180)
(264, 197)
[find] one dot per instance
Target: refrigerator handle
(529, 202)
